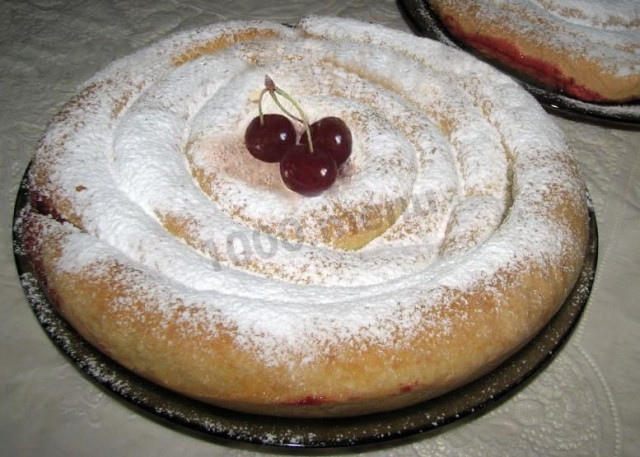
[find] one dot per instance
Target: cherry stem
(274, 91)
(260, 115)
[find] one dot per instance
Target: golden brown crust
(522, 40)
(488, 324)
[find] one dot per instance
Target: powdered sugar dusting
(605, 32)
(611, 15)
(150, 166)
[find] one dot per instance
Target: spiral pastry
(452, 235)
(589, 50)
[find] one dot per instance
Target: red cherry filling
(269, 140)
(331, 135)
(307, 173)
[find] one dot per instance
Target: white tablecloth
(587, 402)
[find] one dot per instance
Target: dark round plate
(222, 425)
(426, 23)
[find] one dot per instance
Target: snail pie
(450, 237)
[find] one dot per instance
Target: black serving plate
(226, 426)
(426, 23)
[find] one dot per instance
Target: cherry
(268, 138)
(308, 173)
(331, 135)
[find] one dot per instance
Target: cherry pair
(309, 166)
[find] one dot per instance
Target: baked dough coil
(453, 233)
(589, 50)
